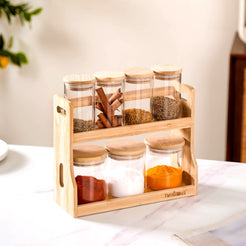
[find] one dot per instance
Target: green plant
(16, 58)
(24, 12)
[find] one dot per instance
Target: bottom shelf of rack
(136, 200)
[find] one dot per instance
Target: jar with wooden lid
(80, 89)
(166, 104)
(90, 167)
(109, 99)
(163, 161)
(138, 96)
(125, 167)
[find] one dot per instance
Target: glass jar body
(109, 104)
(125, 175)
(166, 102)
(137, 106)
(91, 181)
(163, 168)
(83, 113)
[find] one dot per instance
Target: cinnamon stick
(99, 124)
(104, 120)
(118, 120)
(99, 106)
(115, 105)
(121, 99)
(108, 106)
(115, 96)
(114, 123)
(103, 99)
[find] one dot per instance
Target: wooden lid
(79, 79)
(89, 153)
(138, 73)
(125, 147)
(166, 69)
(109, 76)
(164, 141)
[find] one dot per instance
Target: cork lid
(166, 69)
(109, 76)
(125, 147)
(79, 79)
(164, 141)
(89, 153)
(138, 73)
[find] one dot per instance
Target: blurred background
(88, 36)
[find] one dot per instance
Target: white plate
(3, 150)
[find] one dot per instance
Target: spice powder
(136, 116)
(82, 125)
(165, 108)
(164, 177)
(90, 189)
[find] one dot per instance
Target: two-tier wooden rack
(64, 139)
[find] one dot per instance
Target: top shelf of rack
(63, 110)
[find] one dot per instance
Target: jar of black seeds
(166, 101)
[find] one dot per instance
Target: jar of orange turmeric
(163, 161)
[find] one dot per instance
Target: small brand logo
(175, 193)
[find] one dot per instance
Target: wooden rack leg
(65, 185)
(189, 164)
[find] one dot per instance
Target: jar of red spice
(90, 173)
(163, 161)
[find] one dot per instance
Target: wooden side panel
(235, 101)
(230, 112)
(243, 130)
(236, 113)
(189, 164)
(65, 186)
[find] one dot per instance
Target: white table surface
(29, 216)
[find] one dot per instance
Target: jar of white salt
(125, 167)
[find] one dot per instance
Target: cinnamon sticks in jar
(109, 99)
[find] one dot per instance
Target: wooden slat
(128, 96)
(131, 130)
(136, 200)
(243, 129)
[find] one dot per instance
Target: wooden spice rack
(64, 139)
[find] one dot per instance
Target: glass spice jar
(90, 173)
(163, 161)
(77, 86)
(166, 103)
(109, 99)
(126, 167)
(138, 94)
